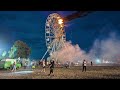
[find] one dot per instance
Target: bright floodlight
(60, 21)
(98, 61)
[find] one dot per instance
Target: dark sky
(29, 26)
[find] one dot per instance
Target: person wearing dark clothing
(51, 67)
(91, 63)
(66, 65)
(84, 66)
(21, 63)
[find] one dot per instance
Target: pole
(45, 54)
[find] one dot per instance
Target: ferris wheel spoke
(52, 47)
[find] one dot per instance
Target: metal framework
(55, 35)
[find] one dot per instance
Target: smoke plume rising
(105, 50)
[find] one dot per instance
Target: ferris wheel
(55, 35)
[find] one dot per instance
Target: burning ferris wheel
(55, 35)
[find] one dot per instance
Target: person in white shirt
(43, 64)
(84, 66)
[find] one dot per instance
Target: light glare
(60, 21)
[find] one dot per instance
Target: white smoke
(107, 49)
(71, 53)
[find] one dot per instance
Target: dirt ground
(93, 72)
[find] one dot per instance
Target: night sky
(29, 26)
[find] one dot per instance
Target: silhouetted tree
(23, 51)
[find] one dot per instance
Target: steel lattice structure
(55, 35)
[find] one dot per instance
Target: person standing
(43, 64)
(91, 63)
(25, 65)
(84, 66)
(51, 67)
(14, 67)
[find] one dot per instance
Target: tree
(20, 49)
(12, 52)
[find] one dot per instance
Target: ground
(93, 72)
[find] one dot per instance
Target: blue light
(98, 61)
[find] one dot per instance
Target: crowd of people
(25, 66)
(51, 66)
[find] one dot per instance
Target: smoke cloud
(106, 50)
(70, 53)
